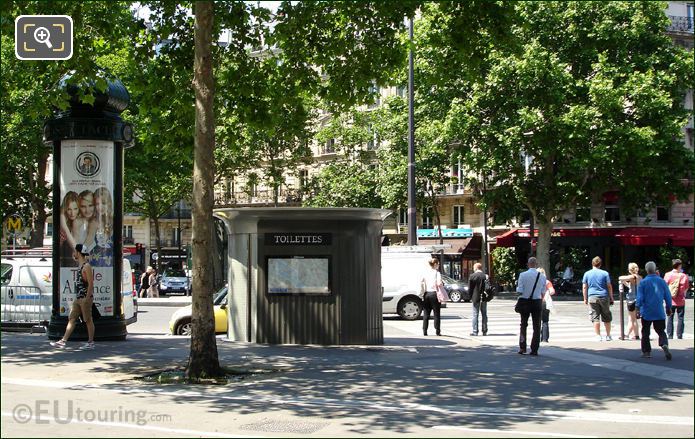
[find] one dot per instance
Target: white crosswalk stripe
(503, 326)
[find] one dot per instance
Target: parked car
(174, 281)
(180, 321)
(457, 289)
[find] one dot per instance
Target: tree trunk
(203, 360)
(38, 205)
(545, 229)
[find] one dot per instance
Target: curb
(162, 302)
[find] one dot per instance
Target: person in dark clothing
(476, 286)
(145, 281)
(432, 281)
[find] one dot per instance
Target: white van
(27, 291)
(402, 269)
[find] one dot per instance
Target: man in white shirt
(531, 286)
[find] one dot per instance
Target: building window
(176, 236)
(427, 221)
(375, 91)
(662, 213)
(303, 179)
(127, 231)
(403, 216)
(457, 177)
(582, 214)
(49, 229)
(525, 217)
(611, 212)
(458, 215)
(401, 90)
(373, 143)
(329, 147)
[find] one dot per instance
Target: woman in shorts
(629, 283)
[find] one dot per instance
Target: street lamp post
(412, 215)
(178, 231)
(485, 256)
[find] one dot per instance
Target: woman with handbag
(432, 282)
(547, 307)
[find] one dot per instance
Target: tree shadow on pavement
(389, 388)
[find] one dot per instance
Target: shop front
(463, 249)
(617, 246)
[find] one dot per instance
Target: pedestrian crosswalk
(503, 325)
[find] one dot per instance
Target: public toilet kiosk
(304, 275)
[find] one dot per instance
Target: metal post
(178, 232)
(485, 255)
(412, 213)
(622, 311)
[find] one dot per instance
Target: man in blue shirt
(652, 295)
(598, 294)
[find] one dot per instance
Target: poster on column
(86, 217)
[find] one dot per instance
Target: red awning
(680, 237)
(507, 238)
(467, 248)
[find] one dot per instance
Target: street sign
(155, 256)
(14, 224)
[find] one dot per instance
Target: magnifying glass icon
(42, 36)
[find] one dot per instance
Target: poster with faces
(87, 218)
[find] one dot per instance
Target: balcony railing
(680, 24)
(260, 197)
(455, 189)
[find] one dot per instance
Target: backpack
(489, 290)
(674, 286)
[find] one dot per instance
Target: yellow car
(180, 322)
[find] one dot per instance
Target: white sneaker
(599, 338)
(88, 345)
(58, 344)
(609, 338)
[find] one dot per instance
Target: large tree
(330, 49)
(589, 99)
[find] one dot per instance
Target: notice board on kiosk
(298, 275)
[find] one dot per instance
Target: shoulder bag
(523, 304)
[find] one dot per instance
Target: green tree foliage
(666, 256)
(505, 265)
(588, 99)
(330, 49)
(30, 97)
(351, 177)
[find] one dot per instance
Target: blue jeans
(477, 309)
(680, 310)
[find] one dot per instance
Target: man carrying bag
(531, 286)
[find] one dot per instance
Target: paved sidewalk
(420, 386)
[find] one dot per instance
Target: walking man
(84, 290)
(476, 286)
(677, 283)
(531, 286)
(652, 293)
(597, 284)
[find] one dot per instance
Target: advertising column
(87, 142)
(87, 218)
